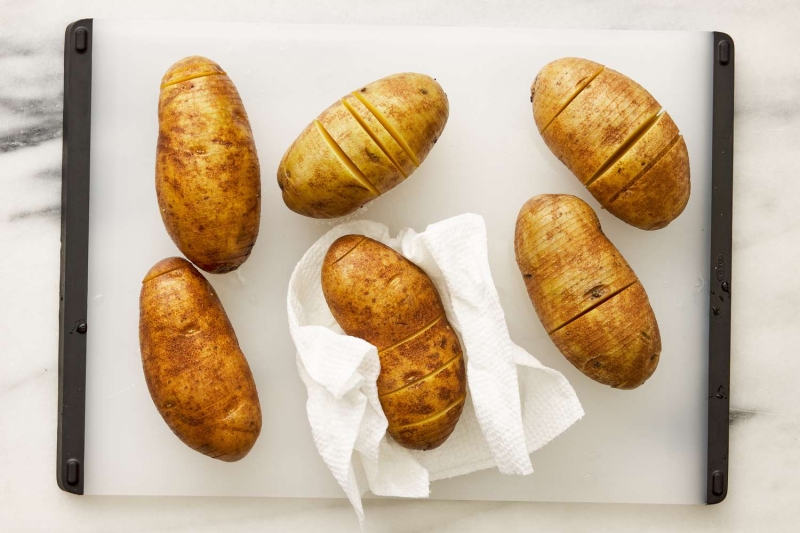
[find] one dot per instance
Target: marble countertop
(765, 419)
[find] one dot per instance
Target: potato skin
(610, 132)
(196, 373)
(616, 343)
(208, 179)
(378, 295)
(586, 295)
(363, 145)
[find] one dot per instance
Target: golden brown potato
(614, 136)
(378, 295)
(363, 145)
(586, 295)
(208, 180)
(197, 375)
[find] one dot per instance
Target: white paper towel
(514, 404)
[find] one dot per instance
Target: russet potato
(378, 295)
(616, 139)
(586, 295)
(196, 373)
(208, 180)
(363, 145)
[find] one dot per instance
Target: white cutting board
(646, 445)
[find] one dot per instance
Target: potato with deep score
(196, 373)
(378, 295)
(616, 139)
(208, 180)
(363, 145)
(586, 295)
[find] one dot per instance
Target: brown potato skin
(196, 373)
(314, 180)
(378, 295)
(586, 295)
(601, 342)
(208, 179)
(609, 132)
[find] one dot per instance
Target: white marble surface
(765, 419)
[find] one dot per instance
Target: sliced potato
(363, 145)
(569, 265)
(368, 157)
(586, 295)
(616, 343)
(653, 200)
(610, 132)
(196, 373)
(208, 179)
(376, 294)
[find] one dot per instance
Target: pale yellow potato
(376, 294)
(363, 145)
(345, 130)
(208, 180)
(586, 295)
(609, 131)
(415, 105)
(314, 180)
(196, 373)
(381, 135)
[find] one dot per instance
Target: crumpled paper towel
(514, 406)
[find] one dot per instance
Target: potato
(363, 145)
(378, 295)
(586, 295)
(208, 180)
(197, 375)
(616, 139)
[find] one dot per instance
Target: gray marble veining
(765, 417)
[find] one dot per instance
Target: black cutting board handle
(73, 328)
(719, 334)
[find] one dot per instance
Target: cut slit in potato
(385, 132)
(379, 296)
(373, 136)
(360, 148)
(191, 77)
(386, 124)
(603, 357)
(647, 168)
(626, 146)
(573, 262)
(432, 432)
(433, 417)
(582, 85)
(637, 161)
(427, 377)
(417, 357)
(656, 201)
(593, 306)
(415, 335)
(585, 294)
(590, 130)
(424, 398)
(610, 133)
(345, 160)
